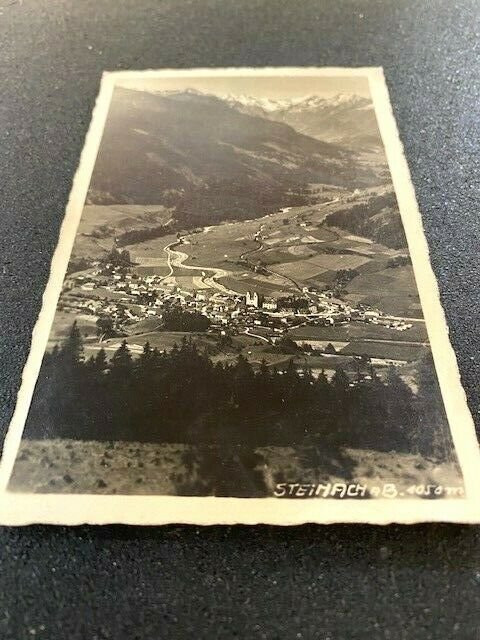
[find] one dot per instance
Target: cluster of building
(127, 297)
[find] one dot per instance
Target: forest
(378, 219)
(181, 396)
(134, 236)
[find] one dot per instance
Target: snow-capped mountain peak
(309, 102)
(340, 100)
(343, 118)
(266, 104)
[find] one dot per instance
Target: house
(270, 305)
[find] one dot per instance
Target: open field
(264, 285)
(122, 216)
(151, 252)
(163, 339)
(331, 362)
(256, 350)
(223, 245)
(252, 348)
(358, 330)
(303, 270)
(389, 350)
(392, 289)
(63, 324)
(101, 224)
(226, 245)
(71, 466)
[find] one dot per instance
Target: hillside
(375, 216)
(156, 468)
(210, 162)
(102, 226)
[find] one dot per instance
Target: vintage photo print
(241, 323)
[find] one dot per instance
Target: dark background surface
(337, 582)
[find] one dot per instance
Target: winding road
(176, 259)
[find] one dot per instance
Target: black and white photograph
(241, 307)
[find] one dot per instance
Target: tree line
(134, 236)
(182, 396)
(179, 320)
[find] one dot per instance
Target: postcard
(241, 323)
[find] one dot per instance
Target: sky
(273, 87)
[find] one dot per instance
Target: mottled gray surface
(338, 582)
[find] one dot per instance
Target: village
(126, 297)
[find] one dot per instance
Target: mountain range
(211, 160)
(344, 119)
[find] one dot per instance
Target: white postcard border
(21, 509)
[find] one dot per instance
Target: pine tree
(322, 386)
(90, 365)
(104, 326)
(291, 375)
(243, 382)
(122, 364)
(72, 350)
(125, 257)
(101, 363)
(146, 355)
(263, 386)
(307, 374)
(289, 384)
(156, 357)
(264, 373)
(340, 381)
(330, 349)
(398, 399)
(433, 437)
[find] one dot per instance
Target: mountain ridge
(194, 152)
(309, 101)
(347, 120)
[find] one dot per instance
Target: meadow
(358, 330)
(101, 224)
